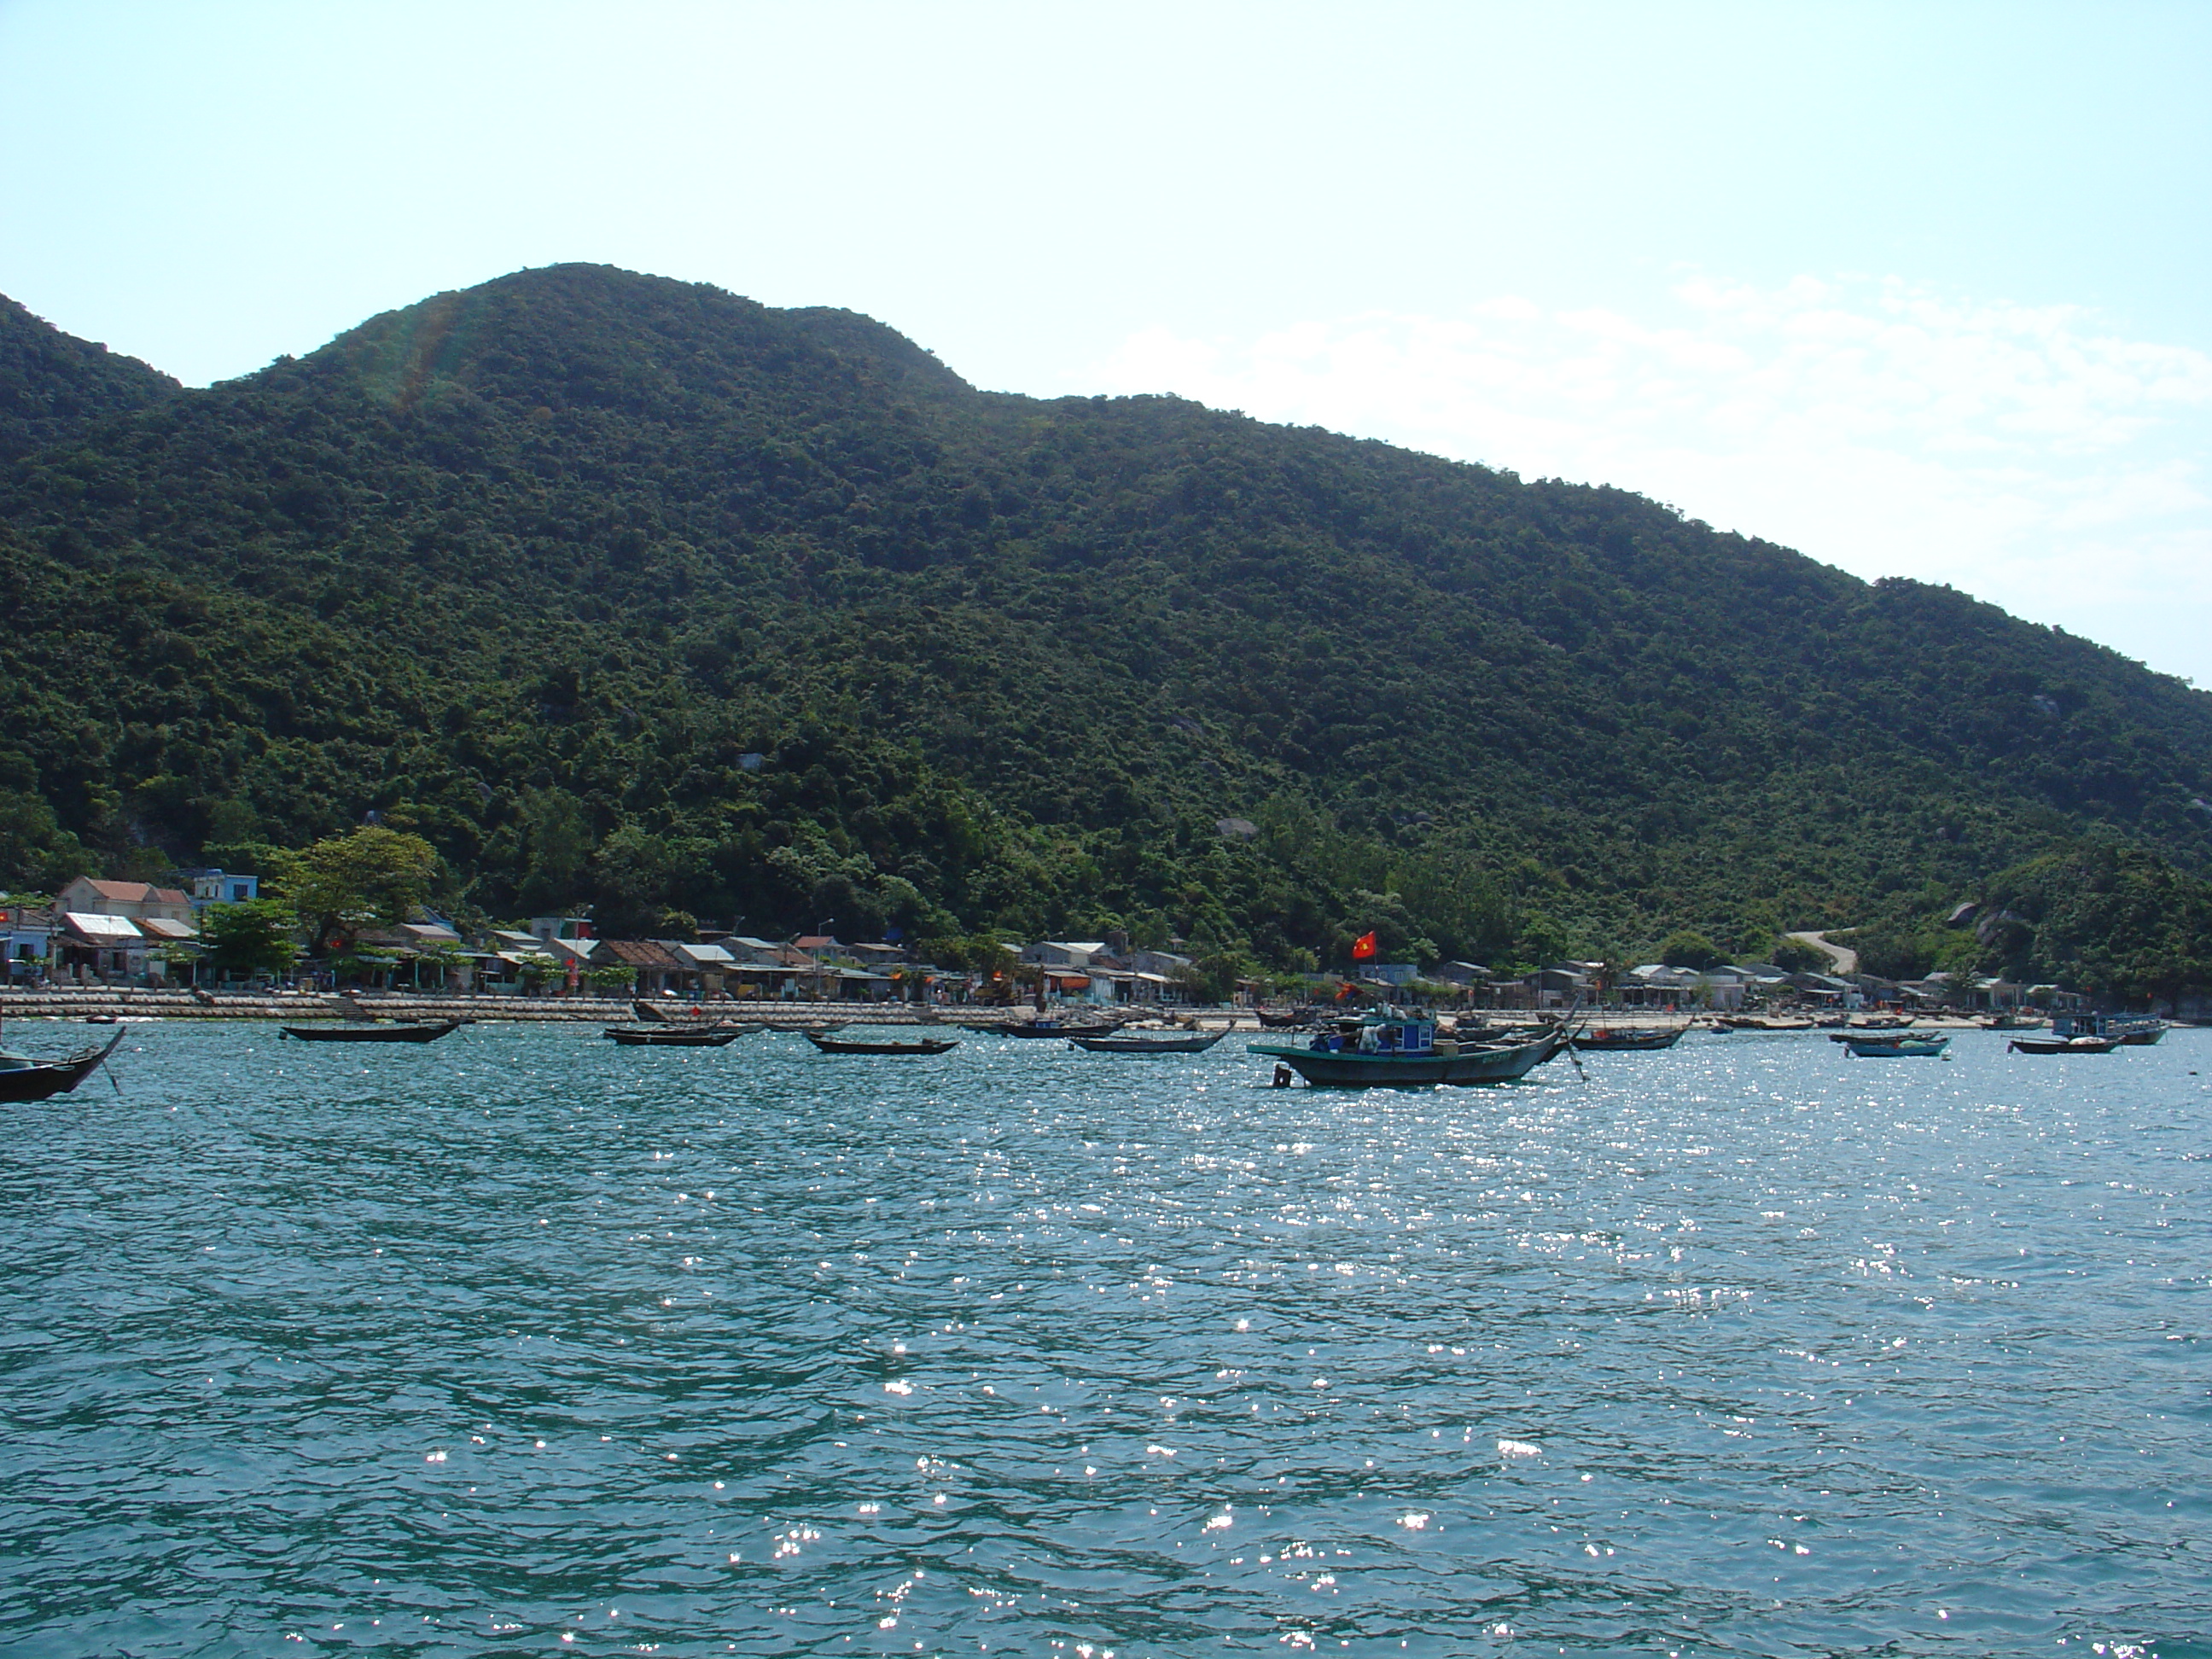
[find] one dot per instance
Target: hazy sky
(1920, 288)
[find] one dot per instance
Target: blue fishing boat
(1391, 1050)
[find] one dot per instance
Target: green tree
(34, 849)
(257, 936)
(1687, 949)
(1214, 975)
(558, 840)
(437, 963)
(1794, 956)
(989, 957)
(372, 874)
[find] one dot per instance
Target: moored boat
(1902, 1045)
(2062, 1045)
(1050, 1027)
(1141, 1044)
(675, 1037)
(353, 1031)
(1395, 1053)
(22, 1078)
(838, 1046)
(1607, 1039)
(2132, 1030)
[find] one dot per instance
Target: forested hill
(536, 568)
(53, 387)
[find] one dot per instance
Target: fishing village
(114, 952)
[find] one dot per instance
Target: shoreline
(79, 1004)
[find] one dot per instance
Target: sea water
(521, 1343)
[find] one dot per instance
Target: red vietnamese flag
(1363, 947)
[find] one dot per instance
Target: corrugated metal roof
(640, 953)
(93, 925)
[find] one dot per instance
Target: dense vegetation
(2098, 915)
(632, 592)
(53, 387)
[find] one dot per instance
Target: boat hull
(933, 1046)
(1358, 1071)
(674, 1039)
(28, 1082)
(372, 1033)
(1123, 1045)
(1629, 1042)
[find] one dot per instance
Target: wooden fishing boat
(1147, 1045)
(356, 1031)
(1276, 1020)
(1393, 1053)
(2062, 1045)
(1604, 1039)
(732, 1027)
(1901, 1046)
(2130, 1030)
(837, 1045)
(675, 1037)
(22, 1078)
(1051, 1028)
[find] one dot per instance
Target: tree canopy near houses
(372, 874)
(621, 592)
(258, 936)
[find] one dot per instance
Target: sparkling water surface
(520, 1343)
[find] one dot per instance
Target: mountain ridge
(53, 386)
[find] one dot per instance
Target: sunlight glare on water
(520, 1342)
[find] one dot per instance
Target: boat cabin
(2105, 1025)
(1387, 1036)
